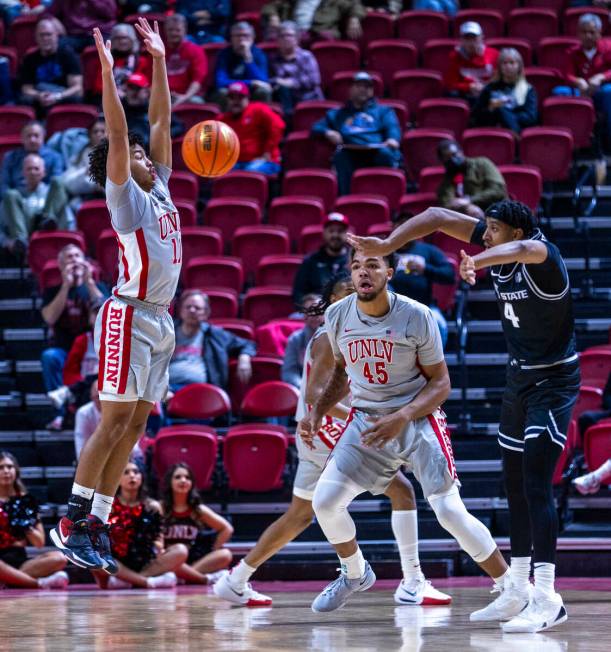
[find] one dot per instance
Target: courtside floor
(85, 619)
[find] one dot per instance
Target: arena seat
(491, 21)
(211, 50)
(201, 241)
(65, 116)
(363, 210)
(575, 113)
(339, 90)
(502, 6)
(524, 183)
(595, 365)
(273, 398)
(199, 401)
(242, 184)
(416, 202)
(532, 23)
(389, 182)
(45, 245)
(597, 444)
(228, 213)
(311, 181)
(550, 149)
(380, 230)
(333, 56)
(11, 54)
(272, 337)
(310, 239)
(51, 274)
(376, 25)
(294, 212)
(590, 398)
(421, 26)
(310, 111)
(215, 271)
(572, 440)
(277, 270)
(191, 113)
(263, 304)
(520, 44)
(107, 255)
(20, 35)
(413, 86)
(498, 144)
(543, 80)
(178, 162)
(445, 295)
(430, 178)
(436, 53)
(90, 66)
(251, 243)
(223, 302)
(13, 118)
(552, 51)
(184, 186)
(399, 107)
(91, 219)
(264, 368)
(300, 149)
(419, 148)
(240, 327)
(388, 56)
(444, 113)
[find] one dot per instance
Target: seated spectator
(186, 62)
(66, 310)
(6, 85)
(448, 7)
(259, 129)
(318, 268)
(508, 100)
(136, 538)
(87, 419)
(202, 350)
(469, 185)
(471, 64)
(243, 61)
(207, 19)
(366, 133)
(32, 139)
(189, 523)
(79, 17)
(20, 526)
(295, 75)
(417, 266)
(292, 364)
(51, 74)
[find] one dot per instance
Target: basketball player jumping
(388, 348)
(532, 288)
(414, 589)
(134, 333)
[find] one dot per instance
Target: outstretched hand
(152, 39)
(104, 53)
(467, 268)
(368, 246)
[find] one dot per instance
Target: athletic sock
(603, 471)
(545, 574)
(503, 580)
(240, 574)
(79, 502)
(520, 572)
(353, 566)
(405, 528)
(101, 507)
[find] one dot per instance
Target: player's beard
(370, 296)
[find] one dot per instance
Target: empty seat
(491, 21)
(363, 210)
(339, 90)
(430, 178)
(532, 24)
(310, 111)
(13, 118)
(21, 33)
(502, 6)
(91, 219)
(264, 369)
(520, 44)
(543, 80)
(310, 239)
(65, 116)
(107, 255)
(191, 114)
(45, 246)
(223, 302)
(178, 162)
(444, 113)
(499, 145)
(185, 186)
(294, 212)
(389, 56)
(263, 304)
(552, 52)
(421, 26)
(413, 86)
(240, 327)
(187, 212)
(215, 271)
(277, 270)
(389, 182)
(376, 26)
(300, 149)
(333, 56)
(199, 401)
(595, 367)
(242, 184)
(574, 113)
(201, 241)
(272, 338)
(381, 230)
(420, 148)
(270, 399)
(524, 183)
(228, 214)
(436, 53)
(90, 67)
(550, 149)
(250, 243)
(417, 202)
(313, 182)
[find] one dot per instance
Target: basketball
(210, 148)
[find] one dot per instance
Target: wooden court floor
(151, 621)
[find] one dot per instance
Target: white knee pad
(334, 492)
(472, 535)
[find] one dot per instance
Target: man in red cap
(259, 129)
(317, 268)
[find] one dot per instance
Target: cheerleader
(20, 526)
(137, 541)
(187, 521)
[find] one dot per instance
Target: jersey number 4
(379, 375)
(511, 316)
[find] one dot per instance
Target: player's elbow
(531, 251)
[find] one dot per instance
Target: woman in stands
(137, 541)
(187, 521)
(20, 526)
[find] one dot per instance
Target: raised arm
(117, 164)
(160, 104)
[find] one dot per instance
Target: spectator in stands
(295, 75)
(66, 309)
(366, 133)
(87, 419)
(6, 86)
(327, 19)
(189, 523)
(79, 17)
(417, 266)
(318, 268)
(202, 350)
(243, 61)
(469, 185)
(292, 364)
(471, 64)
(20, 526)
(186, 62)
(259, 129)
(448, 7)
(207, 19)
(508, 100)
(51, 74)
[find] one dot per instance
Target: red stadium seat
(389, 182)
(574, 113)
(420, 148)
(254, 460)
(91, 219)
(223, 302)
(278, 270)
(273, 337)
(544, 80)
(444, 113)
(556, 5)
(430, 178)
(492, 22)
(376, 26)
(45, 246)
(520, 44)
(13, 119)
(595, 367)
(532, 24)
(341, 83)
(416, 202)
(240, 327)
(250, 243)
(263, 304)
(186, 444)
(242, 184)
(107, 255)
(200, 241)
(269, 47)
(503, 6)
(597, 445)
(310, 111)
(211, 50)
(243, 6)
(199, 401)
(572, 440)
(187, 212)
(552, 52)
(573, 14)
(436, 53)
(215, 271)
(7, 143)
(363, 210)
(499, 145)
(413, 86)
(421, 26)
(451, 247)
(400, 108)
(66, 116)
(270, 399)
(228, 214)
(445, 295)
(333, 56)
(11, 54)
(310, 239)
(590, 398)
(191, 114)
(21, 33)
(264, 369)
(550, 149)
(294, 212)
(388, 56)
(381, 230)
(524, 183)
(301, 150)
(90, 66)
(178, 162)
(311, 182)
(184, 186)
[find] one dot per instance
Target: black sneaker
(100, 537)
(73, 538)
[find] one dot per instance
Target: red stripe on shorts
(127, 346)
(144, 257)
(102, 365)
(123, 259)
(445, 443)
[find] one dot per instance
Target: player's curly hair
(514, 213)
(99, 155)
(330, 288)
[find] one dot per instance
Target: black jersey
(536, 307)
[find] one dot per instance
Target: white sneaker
(420, 591)
(165, 581)
(57, 580)
(60, 396)
(246, 597)
(587, 484)
(510, 603)
(543, 612)
(213, 578)
(57, 423)
(115, 583)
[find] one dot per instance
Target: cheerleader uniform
(17, 514)
(183, 527)
(133, 532)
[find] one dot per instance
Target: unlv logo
(169, 223)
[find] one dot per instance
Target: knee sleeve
(334, 492)
(472, 535)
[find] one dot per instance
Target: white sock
(83, 492)
(405, 528)
(520, 572)
(353, 566)
(545, 574)
(503, 579)
(603, 471)
(240, 574)
(101, 506)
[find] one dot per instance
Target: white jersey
(383, 354)
(150, 251)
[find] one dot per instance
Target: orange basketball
(210, 148)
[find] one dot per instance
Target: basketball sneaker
(58, 580)
(213, 578)
(245, 596)
(420, 591)
(336, 594)
(509, 604)
(73, 538)
(587, 484)
(543, 612)
(100, 537)
(165, 581)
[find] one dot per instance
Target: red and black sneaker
(73, 538)
(100, 537)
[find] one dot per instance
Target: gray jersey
(148, 233)
(383, 354)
